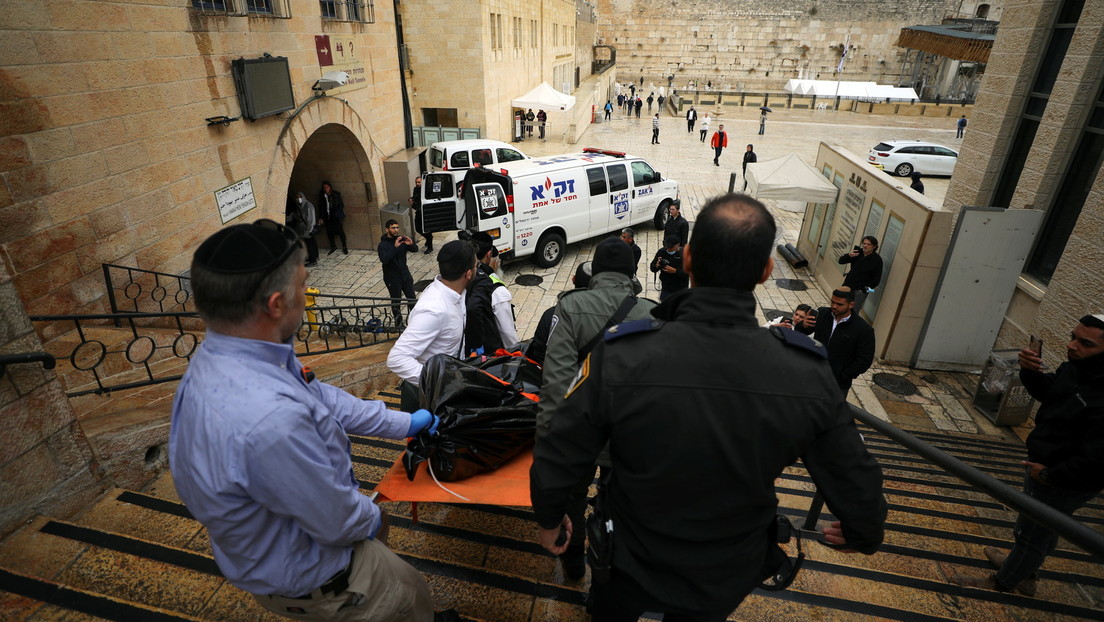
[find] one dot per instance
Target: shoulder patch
(797, 340)
(632, 327)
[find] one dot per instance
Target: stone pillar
(46, 464)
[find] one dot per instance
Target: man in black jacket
(1065, 452)
(847, 337)
(676, 224)
(866, 270)
(730, 403)
(490, 312)
(332, 214)
(392, 250)
(667, 263)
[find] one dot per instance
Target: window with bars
(255, 8)
(533, 39)
(516, 21)
(496, 31)
(348, 10)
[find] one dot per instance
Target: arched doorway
(333, 153)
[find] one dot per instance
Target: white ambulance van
(538, 206)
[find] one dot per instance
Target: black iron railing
(1062, 524)
(154, 348)
(133, 290)
(47, 360)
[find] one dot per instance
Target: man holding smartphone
(866, 269)
(392, 250)
(1065, 452)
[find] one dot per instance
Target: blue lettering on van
(620, 208)
(645, 191)
(563, 187)
(538, 192)
(559, 188)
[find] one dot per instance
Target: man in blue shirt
(259, 449)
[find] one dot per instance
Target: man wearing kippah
(581, 316)
(1065, 453)
(259, 446)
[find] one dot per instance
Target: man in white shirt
(436, 324)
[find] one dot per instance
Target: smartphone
(1036, 345)
(856, 249)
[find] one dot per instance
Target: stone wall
(46, 464)
(105, 154)
(752, 45)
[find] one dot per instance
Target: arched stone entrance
(333, 153)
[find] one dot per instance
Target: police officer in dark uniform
(696, 446)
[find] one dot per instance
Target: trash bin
(403, 214)
(1000, 396)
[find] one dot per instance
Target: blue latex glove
(422, 419)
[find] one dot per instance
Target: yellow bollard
(312, 313)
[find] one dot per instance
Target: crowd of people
(259, 453)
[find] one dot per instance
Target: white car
(902, 157)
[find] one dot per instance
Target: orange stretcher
(506, 485)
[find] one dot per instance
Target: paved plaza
(942, 399)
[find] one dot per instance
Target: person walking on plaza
(436, 324)
(639, 105)
(705, 127)
(668, 266)
(1065, 452)
(762, 121)
(260, 451)
(961, 124)
(655, 129)
(305, 219)
(718, 142)
(651, 98)
(749, 157)
(416, 205)
(608, 109)
(580, 319)
(691, 117)
(847, 337)
(392, 250)
(866, 270)
(701, 379)
(660, 100)
(333, 216)
(542, 120)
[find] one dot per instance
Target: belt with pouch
(336, 585)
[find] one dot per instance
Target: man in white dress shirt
(436, 324)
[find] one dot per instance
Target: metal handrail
(48, 361)
(1061, 524)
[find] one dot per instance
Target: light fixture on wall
(222, 120)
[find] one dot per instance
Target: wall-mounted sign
(341, 55)
(235, 200)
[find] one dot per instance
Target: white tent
(850, 90)
(789, 178)
(544, 97)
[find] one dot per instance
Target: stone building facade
(468, 60)
(108, 155)
(748, 45)
(1036, 141)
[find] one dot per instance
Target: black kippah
(613, 255)
(241, 249)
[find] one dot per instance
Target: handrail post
(110, 290)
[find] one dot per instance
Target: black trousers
(655, 136)
(336, 229)
(312, 248)
(624, 600)
(400, 289)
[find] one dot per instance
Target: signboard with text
(235, 200)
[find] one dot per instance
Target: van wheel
(663, 212)
(550, 250)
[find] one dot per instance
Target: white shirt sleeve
(504, 314)
(421, 329)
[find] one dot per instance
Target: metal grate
(421, 285)
(793, 285)
(529, 280)
(897, 384)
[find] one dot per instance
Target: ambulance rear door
(441, 209)
(490, 210)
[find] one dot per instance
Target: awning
(789, 178)
(544, 97)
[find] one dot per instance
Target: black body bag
(488, 412)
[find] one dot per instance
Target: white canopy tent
(789, 178)
(544, 97)
(850, 90)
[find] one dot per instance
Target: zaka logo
(559, 188)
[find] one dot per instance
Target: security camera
(331, 80)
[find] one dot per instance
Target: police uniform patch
(797, 340)
(632, 327)
(580, 376)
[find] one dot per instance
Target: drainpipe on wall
(408, 122)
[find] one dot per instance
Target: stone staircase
(138, 555)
